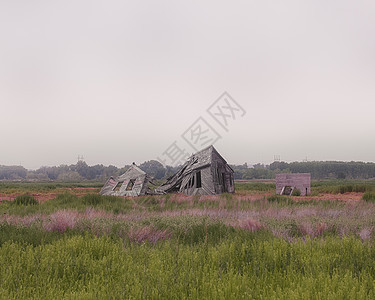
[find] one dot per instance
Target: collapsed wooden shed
(205, 173)
(134, 182)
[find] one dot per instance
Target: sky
(129, 81)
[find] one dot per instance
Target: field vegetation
(252, 244)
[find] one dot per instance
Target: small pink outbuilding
(287, 182)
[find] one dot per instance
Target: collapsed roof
(205, 173)
(134, 182)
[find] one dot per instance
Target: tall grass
(369, 197)
(249, 267)
(231, 246)
(280, 199)
(324, 186)
(342, 186)
(25, 200)
(254, 186)
(36, 187)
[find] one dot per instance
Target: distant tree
(169, 171)
(153, 168)
(260, 166)
(110, 171)
(83, 169)
(51, 172)
(33, 176)
(12, 172)
(240, 167)
(70, 176)
(259, 173)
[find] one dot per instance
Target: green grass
(280, 199)
(296, 193)
(342, 186)
(321, 186)
(25, 200)
(254, 186)
(301, 249)
(37, 187)
(241, 267)
(326, 186)
(70, 201)
(369, 196)
(33, 235)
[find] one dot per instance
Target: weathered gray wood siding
(134, 174)
(229, 180)
(207, 187)
(108, 186)
(216, 175)
(222, 175)
(139, 182)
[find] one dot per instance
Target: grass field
(250, 245)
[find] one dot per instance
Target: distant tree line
(81, 171)
(318, 170)
(258, 171)
(329, 169)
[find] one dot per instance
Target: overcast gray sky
(120, 81)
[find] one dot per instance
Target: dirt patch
(349, 197)
(42, 197)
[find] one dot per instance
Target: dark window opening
(230, 180)
(130, 185)
(199, 179)
(118, 186)
(306, 191)
(287, 190)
